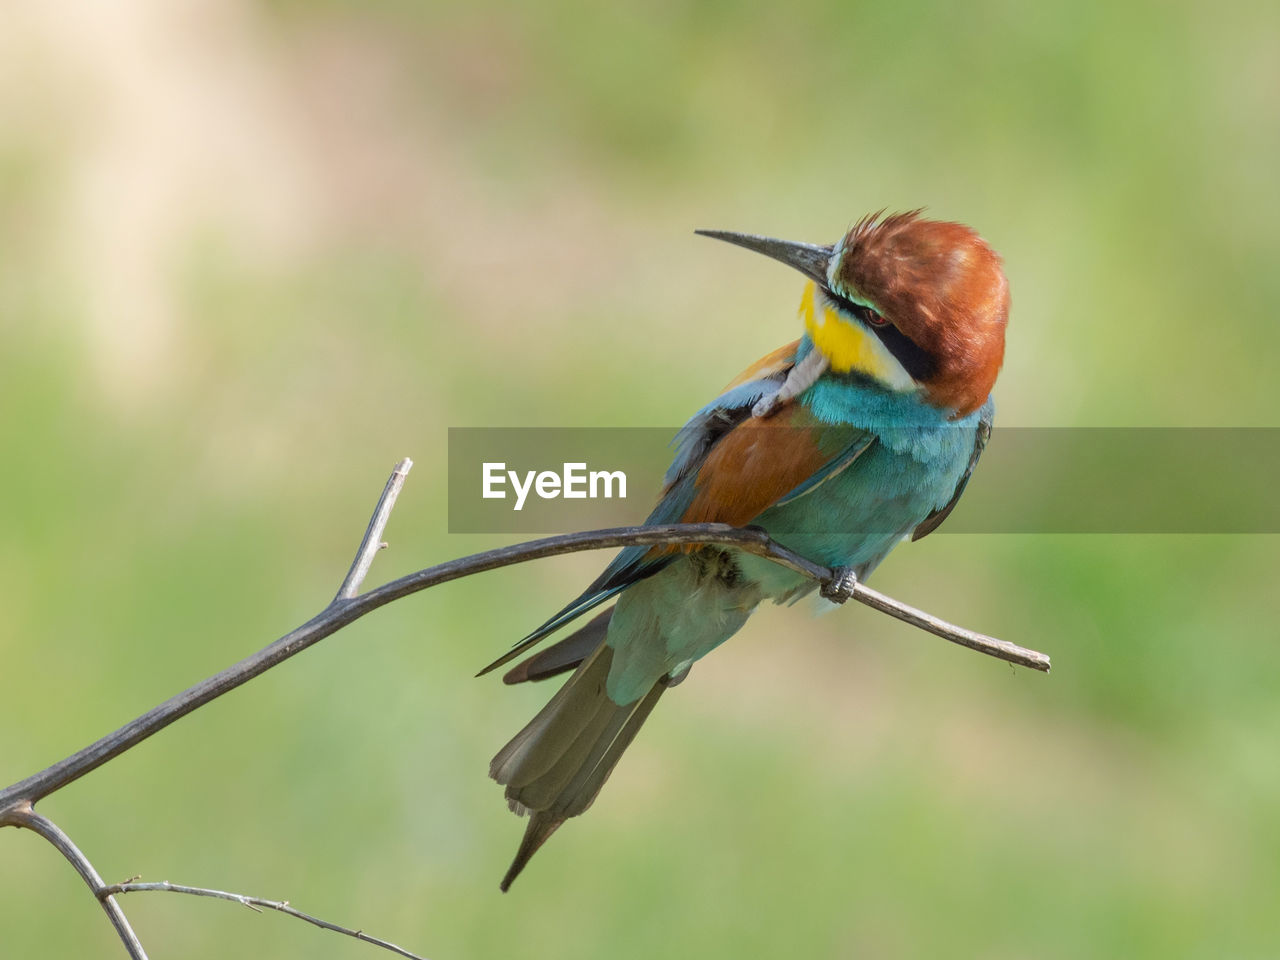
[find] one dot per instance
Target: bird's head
(915, 304)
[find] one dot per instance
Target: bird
(842, 444)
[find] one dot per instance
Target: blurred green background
(252, 254)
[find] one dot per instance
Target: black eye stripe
(914, 359)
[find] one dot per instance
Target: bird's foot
(768, 405)
(799, 379)
(841, 586)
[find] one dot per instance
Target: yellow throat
(847, 344)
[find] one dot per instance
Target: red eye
(873, 318)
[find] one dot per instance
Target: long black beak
(809, 258)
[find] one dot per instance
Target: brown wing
(757, 464)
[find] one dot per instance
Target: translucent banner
(1030, 480)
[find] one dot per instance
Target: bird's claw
(766, 406)
(841, 585)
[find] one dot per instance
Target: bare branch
(843, 585)
(257, 904)
(22, 815)
(372, 541)
(341, 612)
(992, 647)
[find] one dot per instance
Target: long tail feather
(554, 768)
(535, 835)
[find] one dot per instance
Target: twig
(256, 904)
(22, 815)
(372, 541)
(843, 586)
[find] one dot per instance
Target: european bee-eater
(857, 436)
